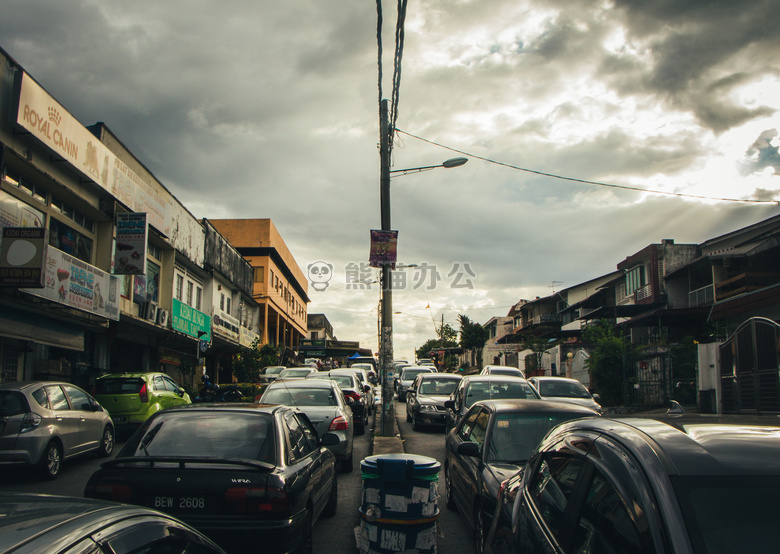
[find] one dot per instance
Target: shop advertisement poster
(22, 253)
(383, 248)
(74, 283)
(130, 253)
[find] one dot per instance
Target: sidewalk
(385, 445)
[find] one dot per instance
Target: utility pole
(386, 299)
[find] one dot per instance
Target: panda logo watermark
(320, 274)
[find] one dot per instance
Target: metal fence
(659, 374)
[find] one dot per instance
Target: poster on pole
(383, 248)
(130, 254)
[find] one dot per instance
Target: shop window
(152, 281)
(190, 286)
(260, 274)
(15, 213)
(222, 301)
(72, 213)
(198, 298)
(179, 286)
(70, 241)
(227, 305)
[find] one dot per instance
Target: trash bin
(399, 504)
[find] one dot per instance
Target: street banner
(130, 253)
(383, 248)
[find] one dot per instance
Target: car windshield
(506, 371)
(287, 373)
(273, 370)
(343, 381)
(440, 387)
(299, 396)
(498, 389)
(726, 514)
(119, 385)
(515, 435)
(209, 434)
(566, 389)
(411, 374)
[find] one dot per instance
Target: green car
(131, 398)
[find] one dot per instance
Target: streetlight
(386, 288)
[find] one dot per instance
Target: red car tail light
(352, 396)
(30, 421)
(109, 491)
(339, 423)
(257, 499)
(143, 394)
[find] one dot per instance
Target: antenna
(552, 286)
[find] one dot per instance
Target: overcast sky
(269, 108)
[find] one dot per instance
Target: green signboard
(190, 321)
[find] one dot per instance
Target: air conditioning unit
(162, 317)
(151, 314)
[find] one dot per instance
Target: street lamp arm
(452, 162)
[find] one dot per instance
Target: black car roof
(248, 407)
(698, 445)
(534, 405)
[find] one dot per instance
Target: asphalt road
(332, 535)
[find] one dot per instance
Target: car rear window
(209, 434)
(119, 385)
(495, 389)
(13, 403)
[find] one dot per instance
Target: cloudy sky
(265, 108)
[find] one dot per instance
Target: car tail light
(352, 396)
(257, 499)
(30, 421)
(109, 491)
(339, 423)
(143, 395)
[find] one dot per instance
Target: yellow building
(280, 285)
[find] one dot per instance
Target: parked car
(324, 404)
(270, 373)
(365, 381)
(687, 484)
(473, 388)
(296, 372)
(65, 525)
(502, 370)
(370, 369)
(563, 389)
(354, 392)
(407, 377)
(491, 443)
(425, 398)
(131, 398)
(242, 474)
(45, 423)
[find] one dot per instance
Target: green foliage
(472, 335)
(607, 354)
(539, 345)
(248, 363)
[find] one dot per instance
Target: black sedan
(474, 388)
(492, 442)
(426, 397)
(33, 523)
(695, 484)
(243, 474)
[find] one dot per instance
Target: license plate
(179, 503)
(120, 419)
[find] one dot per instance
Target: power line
(585, 181)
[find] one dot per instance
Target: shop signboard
(225, 325)
(22, 253)
(130, 253)
(76, 284)
(190, 321)
(247, 338)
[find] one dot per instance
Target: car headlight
(427, 408)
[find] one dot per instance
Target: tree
(607, 352)
(447, 339)
(473, 337)
(539, 345)
(248, 363)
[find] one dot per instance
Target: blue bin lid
(400, 467)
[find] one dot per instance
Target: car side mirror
(596, 396)
(329, 439)
(449, 404)
(469, 449)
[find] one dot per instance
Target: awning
(23, 326)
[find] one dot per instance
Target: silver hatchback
(43, 423)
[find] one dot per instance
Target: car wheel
(333, 500)
(402, 397)
(408, 417)
(416, 424)
(360, 427)
(347, 464)
(51, 460)
(448, 489)
(107, 442)
(307, 544)
(479, 531)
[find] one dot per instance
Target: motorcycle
(212, 392)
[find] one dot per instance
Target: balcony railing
(643, 292)
(743, 283)
(546, 319)
(705, 296)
